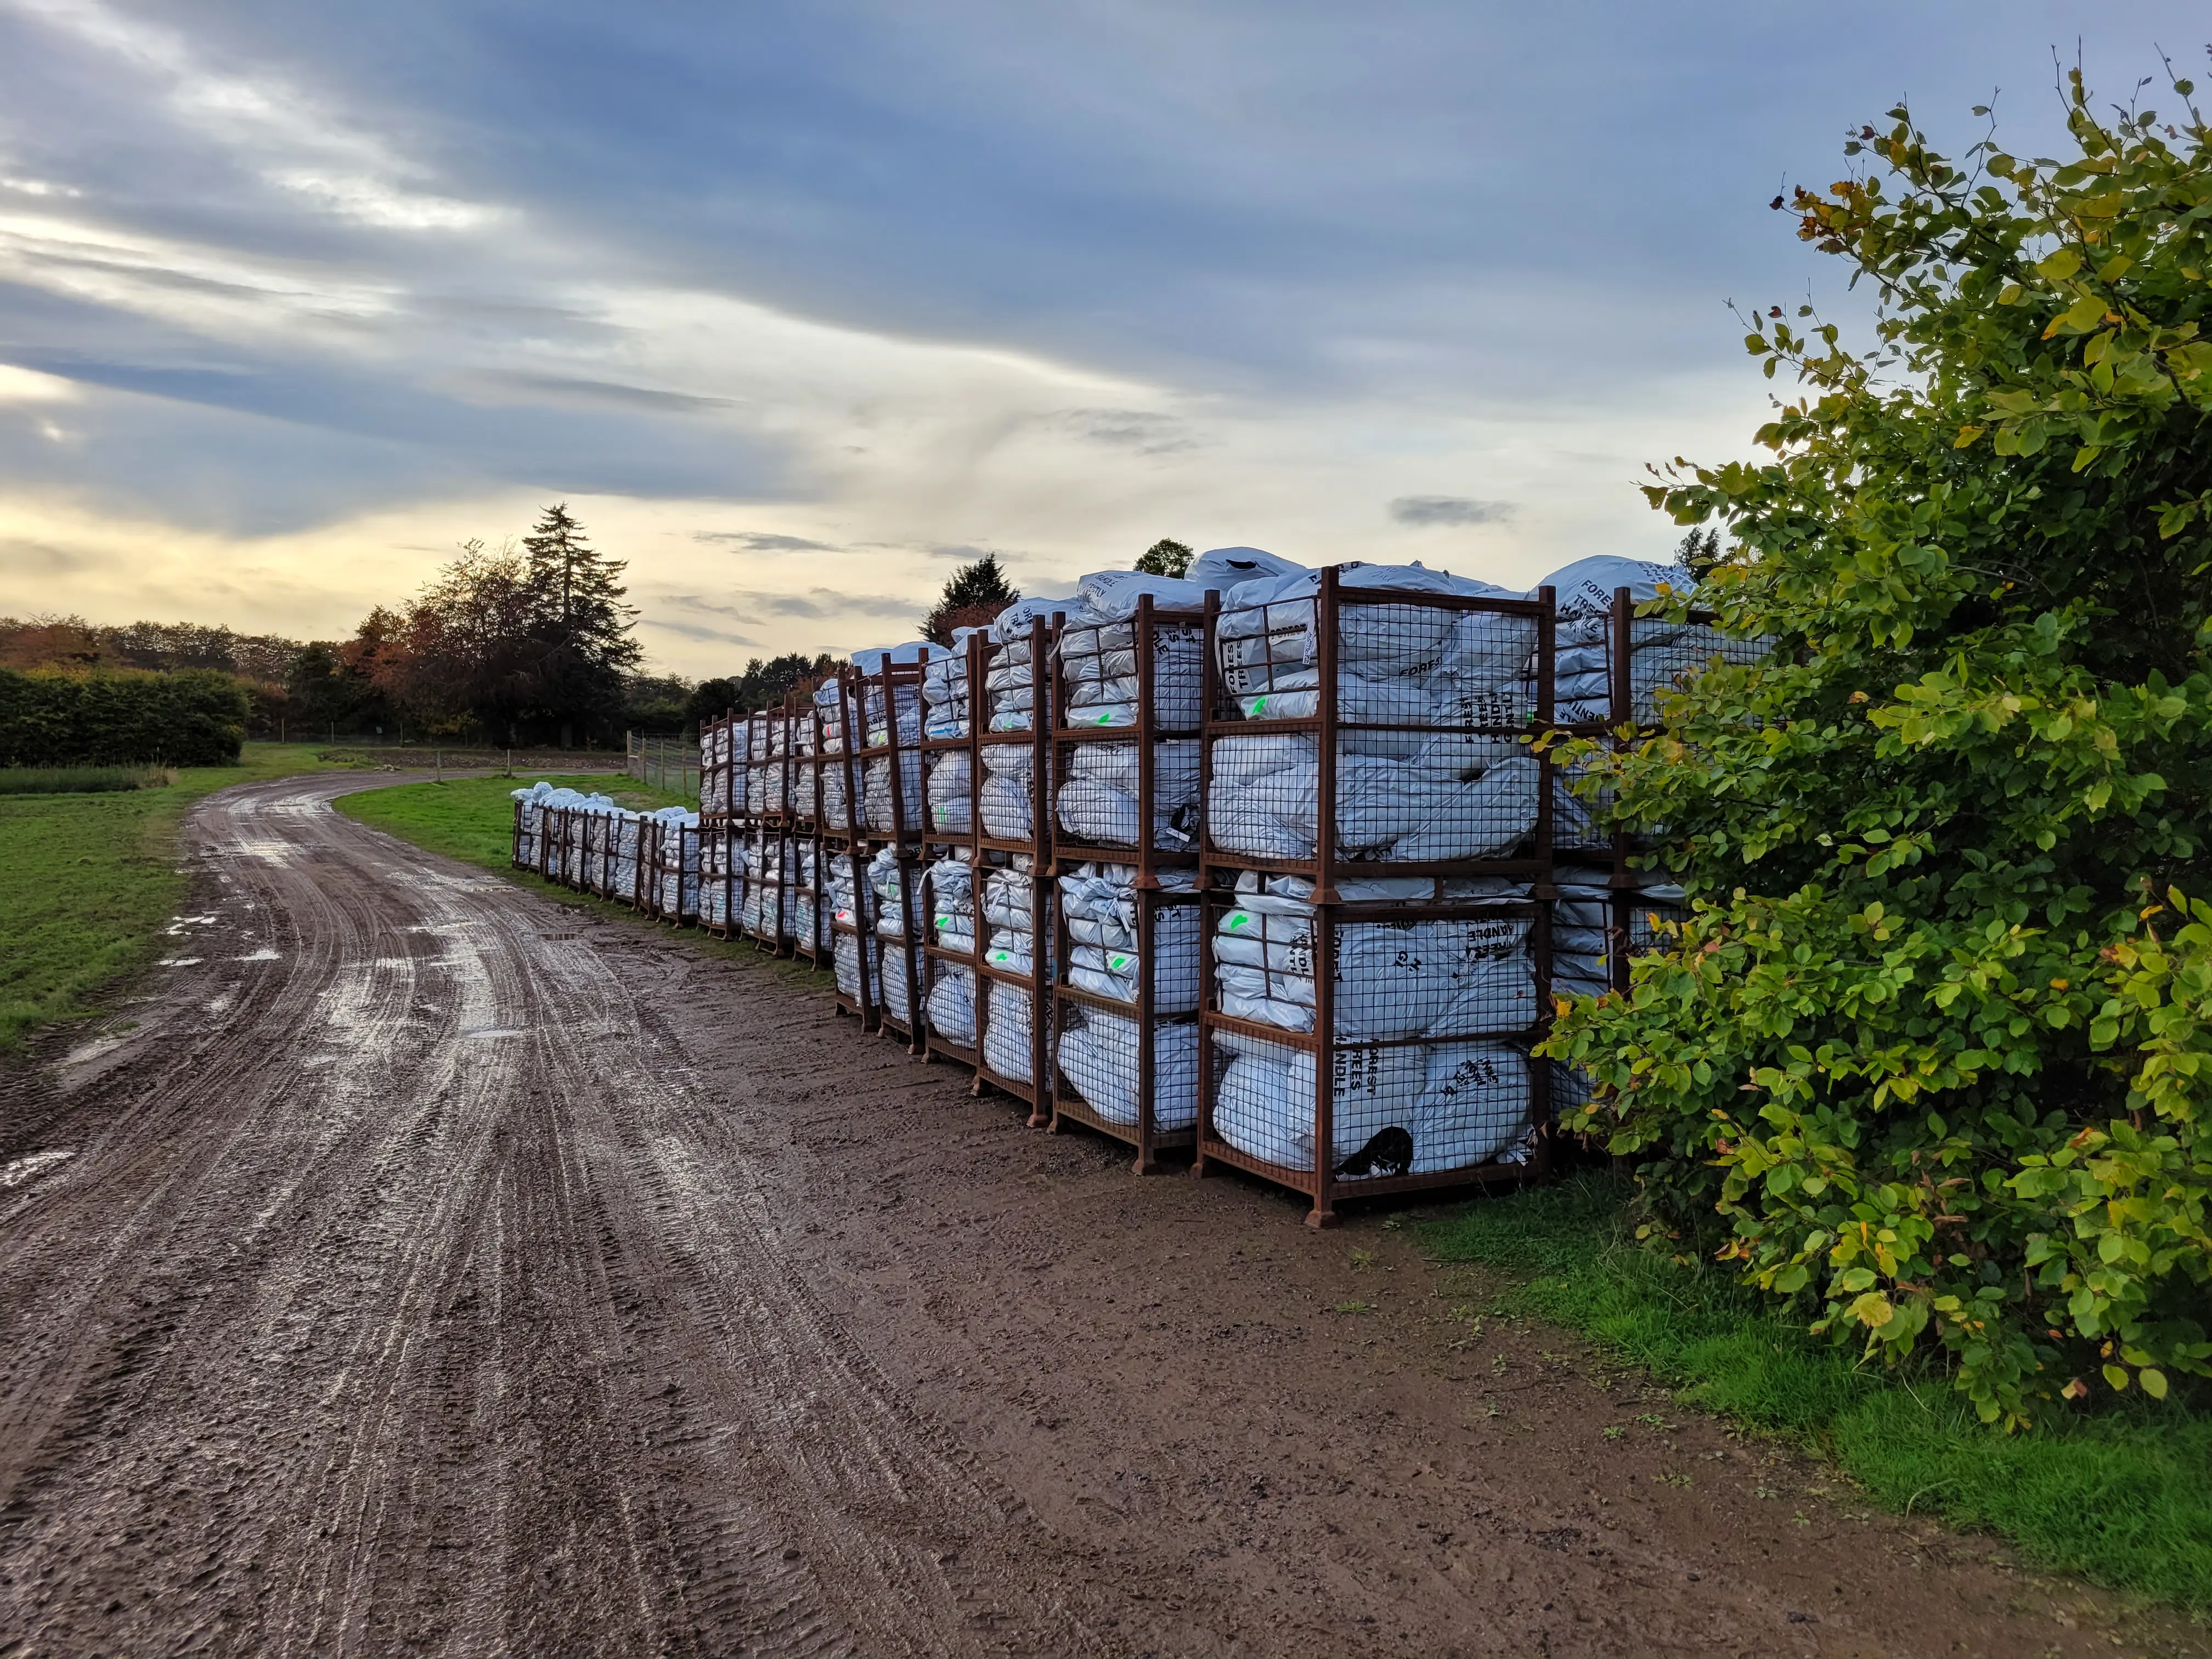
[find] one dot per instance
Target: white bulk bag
(951, 1005)
(1098, 1055)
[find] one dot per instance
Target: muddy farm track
(433, 1270)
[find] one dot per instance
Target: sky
(799, 306)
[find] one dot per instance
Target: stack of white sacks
(1010, 945)
(764, 769)
(720, 792)
(531, 850)
(830, 716)
(944, 715)
(1098, 1051)
(801, 893)
(852, 906)
(1461, 1099)
(948, 890)
(898, 905)
(1662, 652)
(1427, 791)
(1012, 691)
(721, 876)
(611, 838)
(676, 886)
(902, 711)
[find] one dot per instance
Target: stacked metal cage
(1376, 847)
(950, 937)
(889, 769)
(1128, 710)
(1012, 877)
(845, 850)
(721, 800)
(1287, 878)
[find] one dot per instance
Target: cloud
(571, 388)
(698, 631)
(823, 604)
(760, 541)
(1141, 432)
(1448, 509)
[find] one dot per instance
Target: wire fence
(668, 764)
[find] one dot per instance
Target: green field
(87, 881)
(2123, 1496)
(472, 819)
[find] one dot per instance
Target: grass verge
(472, 819)
(88, 880)
(2123, 1497)
(82, 779)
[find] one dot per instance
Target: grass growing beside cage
(472, 819)
(87, 880)
(2120, 1496)
(82, 779)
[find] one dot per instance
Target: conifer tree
(973, 595)
(582, 630)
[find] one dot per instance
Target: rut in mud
(433, 1270)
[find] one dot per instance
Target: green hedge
(194, 717)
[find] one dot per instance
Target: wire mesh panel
(718, 792)
(621, 881)
(1126, 998)
(951, 941)
(806, 915)
(594, 876)
(570, 850)
(896, 882)
(522, 838)
(675, 870)
(1129, 694)
(1014, 974)
(1377, 842)
(1011, 807)
(1354, 725)
(891, 705)
(721, 878)
(1404, 1064)
(760, 917)
(950, 938)
(856, 955)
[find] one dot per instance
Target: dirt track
(433, 1270)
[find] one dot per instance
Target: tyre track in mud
(401, 1304)
(437, 1269)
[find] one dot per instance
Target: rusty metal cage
(951, 939)
(1012, 807)
(805, 912)
(1128, 698)
(844, 850)
(890, 770)
(1375, 858)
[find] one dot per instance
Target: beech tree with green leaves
(1166, 557)
(1931, 1055)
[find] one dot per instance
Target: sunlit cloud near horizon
(798, 306)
